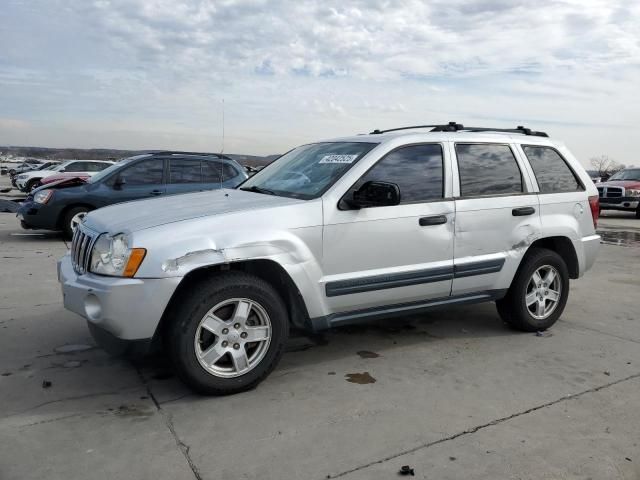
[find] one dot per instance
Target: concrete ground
(452, 394)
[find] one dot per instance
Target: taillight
(594, 203)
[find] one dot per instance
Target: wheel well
(268, 270)
(64, 211)
(563, 247)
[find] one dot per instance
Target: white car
(333, 233)
(30, 180)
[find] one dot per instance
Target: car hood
(143, 214)
(620, 183)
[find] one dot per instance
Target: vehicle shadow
(368, 340)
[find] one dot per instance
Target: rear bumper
(619, 203)
(590, 248)
(117, 309)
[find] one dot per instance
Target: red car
(83, 177)
(621, 191)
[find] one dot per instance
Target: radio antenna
(222, 149)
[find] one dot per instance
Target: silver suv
(332, 233)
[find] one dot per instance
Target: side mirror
(376, 194)
(119, 182)
(62, 170)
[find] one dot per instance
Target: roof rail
(457, 127)
(201, 154)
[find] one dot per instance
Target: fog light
(92, 307)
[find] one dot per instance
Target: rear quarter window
(551, 170)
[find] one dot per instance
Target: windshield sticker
(338, 159)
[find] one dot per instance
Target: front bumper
(37, 215)
(117, 309)
(619, 203)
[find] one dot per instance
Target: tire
(68, 222)
(187, 341)
(638, 212)
(32, 185)
(513, 308)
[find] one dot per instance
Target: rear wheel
(72, 219)
(228, 334)
(538, 293)
(638, 212)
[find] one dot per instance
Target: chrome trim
(81, 246)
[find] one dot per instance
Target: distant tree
(605, 166)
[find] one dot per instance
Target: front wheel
(32, 185)
(228, 334)
(538, 293)
(72, 219)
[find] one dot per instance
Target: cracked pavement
(456, 394)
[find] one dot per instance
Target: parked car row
(31, 180)
(65, 196)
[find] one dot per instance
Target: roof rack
(457, 127)
(201, 154)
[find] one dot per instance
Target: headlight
(112, 256)
(43, 196)
(632, 192)
(21, 177)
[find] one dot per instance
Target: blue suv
(62, 205)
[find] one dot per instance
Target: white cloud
(297, 71)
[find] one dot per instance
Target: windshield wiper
(253, 188)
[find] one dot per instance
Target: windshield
(308, 171)
(632, 174)
(107, 171)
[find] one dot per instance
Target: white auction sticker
(338, 159)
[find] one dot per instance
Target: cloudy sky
(154, 73)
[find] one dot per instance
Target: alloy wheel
(233, 337)
(543, 292)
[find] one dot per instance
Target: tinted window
(211, 171)
(96, 166)
(552, 172)
(228, 172)
(487, 169)
(76, 167)
(146, 172)
(417, 170)
(184, 171)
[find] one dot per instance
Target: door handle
(523, 211)
(434, 220)
(155, 192)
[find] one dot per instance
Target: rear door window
(184, 171)
(76, 167)
(551, 170)
(488, 169)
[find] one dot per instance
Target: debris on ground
(360, 378)
(367, 354)
(407, 470)
(545, 333)
(607, 373)
(6, 374)
(7, 206)
(46, 384)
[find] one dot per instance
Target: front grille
(81, 245)
(611, 192)
(614, 192)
